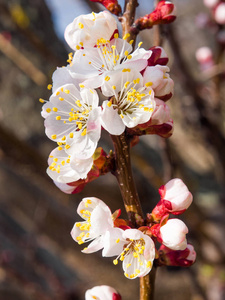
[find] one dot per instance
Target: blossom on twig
(85, 30)
(102, 164)
(138, 253)
(159, 79)
(94, 63)
(132, 102)
(65, 168)
(73, 117)
(98, 222)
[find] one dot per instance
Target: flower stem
(123, 173)
(147, 284)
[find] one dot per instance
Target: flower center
(134, 247)
(84, 226)
(58, 163)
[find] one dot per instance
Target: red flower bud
(163, 14)
(111, 5)
(182, 258)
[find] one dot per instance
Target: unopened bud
(182, 258)
(173, 234)
(164, 13)
(111, 5)
(177, 193)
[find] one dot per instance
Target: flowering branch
(135, 85)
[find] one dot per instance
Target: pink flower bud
(182, 258)
(177, 193)
(173, 234)
(204, 57)
(219, 14)
(211, 3)
(160, 80)
(102, 292)
(161, 113)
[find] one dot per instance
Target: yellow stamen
(80, 25)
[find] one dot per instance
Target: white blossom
(138, 253)
(159, 79)
(73, 118)
(85, 30)
(65, 168)
(97, 221)
(131, 102)
(93, 63)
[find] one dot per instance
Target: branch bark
(123, 173)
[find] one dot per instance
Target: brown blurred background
(38, 258)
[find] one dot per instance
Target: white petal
(94, 246)
(111, 121)
(113, 242)
(64, 187)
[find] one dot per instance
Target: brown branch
(123, 173)
(127, 19)
(147, 284)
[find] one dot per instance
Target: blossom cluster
(109, 85)
(134, 86)
(135, 247)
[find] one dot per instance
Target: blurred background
(38, 258)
